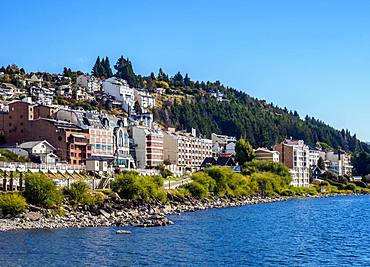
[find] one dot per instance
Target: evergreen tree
(243, 152)
(321, 163)
(178, 80)
(107, 69)
(187, 81)
(125, 71)
(96, 69)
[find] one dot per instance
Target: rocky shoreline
(119, 212)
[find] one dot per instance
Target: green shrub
(263, 166)
(12, 203)
(180, 192)
(197, 190)
(130, 185)
(41, 190)
(79, 193)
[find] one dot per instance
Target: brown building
(26, 122)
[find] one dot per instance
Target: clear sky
(310, 56)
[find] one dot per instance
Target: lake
(300, 232)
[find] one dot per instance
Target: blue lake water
(305, 232)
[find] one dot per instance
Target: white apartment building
(91, 84)
(121, 91)
(146, 100)
(262, 153)
(148, 146)
(340, 163)
(295, 155)
(186, 150)
(314, 156)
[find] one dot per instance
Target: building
(26, 122)
(121, 148)
(295, 155)
(121, 91)
(90, 84)
(43, 96)
(339, 163)
(266, 154)
(145, 100)
(147, 146)
(40, 151)
(186, 150)
(97, 164)
(101, 141)
(223, 145)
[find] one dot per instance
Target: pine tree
(125, 71)
(95, 71)
(107, 69)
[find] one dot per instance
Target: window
(109, 147)
(104, 147)
(10, 124)
(60, 138)
(98, 146)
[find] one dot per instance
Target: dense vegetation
(12, 203)
(8, 156)
(260, 123)
(130, 185)
(41, 190)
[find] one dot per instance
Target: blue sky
(310, 56)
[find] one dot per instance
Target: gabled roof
(32, 144)
(225, 161)
(209, 161)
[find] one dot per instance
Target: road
(176, 183)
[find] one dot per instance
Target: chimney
(193, 132)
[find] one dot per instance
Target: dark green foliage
(12, 203)
(361, 164)
(130, 185)
(244, 152)
(41, 190)
(262, 124)
(125, 71)
(321, 163)
(79, 193)
(102, 68)
(197, 190)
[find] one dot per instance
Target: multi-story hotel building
(266, 154)
(295, 155)
(186, 150)
(147, 146)
(101, 141)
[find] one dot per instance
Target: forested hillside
(261, 123)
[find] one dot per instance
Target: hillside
(261, 123)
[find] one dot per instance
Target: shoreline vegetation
(143, 202)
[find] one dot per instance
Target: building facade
(186, 150)
(266, 154)
(147, 146)
(295, 155)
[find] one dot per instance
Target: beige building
(295, 155)
(186, 150)
(148, 146)
(266, 154)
